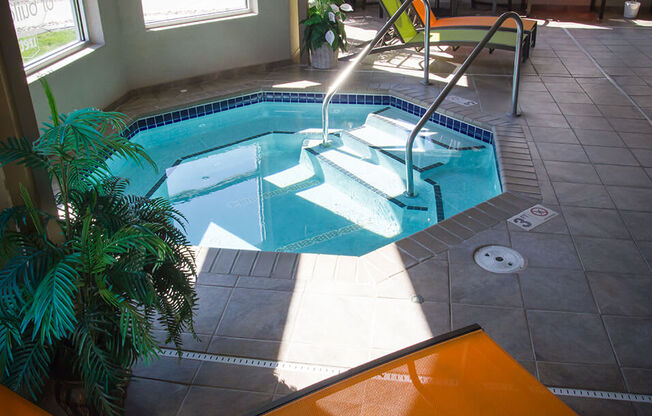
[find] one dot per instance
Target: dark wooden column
(17, 119)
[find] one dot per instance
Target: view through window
(161, 12)
(45, 27)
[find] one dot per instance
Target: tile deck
(579, 316)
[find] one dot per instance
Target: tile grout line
(525, 310)
(333, 370)
(585, 271)
(607, 76)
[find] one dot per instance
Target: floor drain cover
(499, 259)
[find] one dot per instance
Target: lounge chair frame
(529, 38)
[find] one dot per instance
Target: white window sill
(192, 21)
(61, 60)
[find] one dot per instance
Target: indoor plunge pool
(250, 172)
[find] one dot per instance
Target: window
(46, 28)
(159, 13)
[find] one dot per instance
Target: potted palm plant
(80, 291)
(324, 35)
(631, 9)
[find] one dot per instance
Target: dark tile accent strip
(212, 149)
(434, 165)
(439, 200)
(156, 186)
(445, 146)
(382, 110)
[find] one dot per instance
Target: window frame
(58, 54)
(251, 9)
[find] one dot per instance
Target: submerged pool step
(343, 168)
(385, 180)
(431, 136)
(389, 150)
(384, 137)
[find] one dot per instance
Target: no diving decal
(532, 217)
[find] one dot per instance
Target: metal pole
(409, 174)
(349, 69)
(426, 45)
(516, 78)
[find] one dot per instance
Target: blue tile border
(177, 116)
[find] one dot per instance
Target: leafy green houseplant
(324, 33)
(80, 292)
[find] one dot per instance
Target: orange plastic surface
(467, 375)
(461, 21)
(11, 404)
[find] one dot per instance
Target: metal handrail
(409, 187)
(363, 54)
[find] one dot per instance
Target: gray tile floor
(579, 316)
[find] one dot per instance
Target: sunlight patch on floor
(297, 84)
(572, 25)
(359, 34)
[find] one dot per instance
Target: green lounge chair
(450, 35)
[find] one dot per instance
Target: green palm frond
(19, 276)
(101, 373)
(9, 338)
(134, 237)
(52, 312)
(125, 148)
(20, 150)
(11, 218)
(52, 103)
(27, 370)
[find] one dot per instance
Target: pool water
(256, 178)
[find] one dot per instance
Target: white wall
(133, 57)
(155, 56)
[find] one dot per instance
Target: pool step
(389, 149)
(345, 169)
(399, 123)
(346, 203)
(377, 176)
(383, 138)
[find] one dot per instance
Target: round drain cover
(499, 259)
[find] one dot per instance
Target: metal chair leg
(602, 5)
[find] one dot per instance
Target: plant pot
(323, 57)
(631, 9)
(71, 397)
(69, 391)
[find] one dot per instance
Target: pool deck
(579, 315)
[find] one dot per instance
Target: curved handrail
(409, 177)
(363, 54)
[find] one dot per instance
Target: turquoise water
(265, 193)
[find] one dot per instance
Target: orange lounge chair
(462, 373)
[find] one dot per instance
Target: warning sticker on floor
(532, 217)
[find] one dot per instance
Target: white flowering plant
(325, 24)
